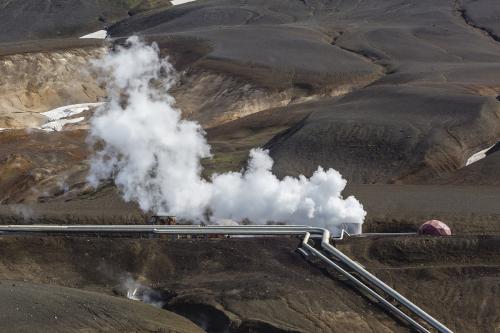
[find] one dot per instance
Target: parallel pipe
(325, 244)
(306, 231)
(362, 286)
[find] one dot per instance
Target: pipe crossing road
(329, 254)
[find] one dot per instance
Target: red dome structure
(434, 228)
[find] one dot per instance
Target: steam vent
(250, 166)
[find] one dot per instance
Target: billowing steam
(154, 156)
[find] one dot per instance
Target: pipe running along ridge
(278, 230)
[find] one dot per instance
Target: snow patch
(101, 34)
(478, 156)
(58, 117)
(69, 110)
(179, 2)
(57, 125)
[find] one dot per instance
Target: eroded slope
(252, 284)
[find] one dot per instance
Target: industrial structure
(315, 243)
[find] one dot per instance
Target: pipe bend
(306, 238)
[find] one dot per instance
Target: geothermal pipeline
(364, 280)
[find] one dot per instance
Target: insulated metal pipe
(325, 244)
(241, 230)
(362, 286)
(169, 229)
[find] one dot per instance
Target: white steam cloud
(154, 156)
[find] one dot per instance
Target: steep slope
(389, 134)
(34, 82)
(244, 285)
(28, 307)
(482, 14)
(383, 91)
(256, 56)
(34, 19)
(482, 172)
(419, 80)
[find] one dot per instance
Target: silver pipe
(239, 230)
(169, 229)
(325, 244)
(362, 286)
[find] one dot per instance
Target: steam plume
(154, 156)
(138, 292)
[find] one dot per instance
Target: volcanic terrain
(396, 95)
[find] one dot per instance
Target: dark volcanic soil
(34, 19)
(263, 283)
(418, 80)
(396, 95)
(29, 307)
(386, 92)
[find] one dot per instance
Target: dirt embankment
(456, 279)
(263, 285)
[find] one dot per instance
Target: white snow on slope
(478, 156)
(69, 110)
(57, 117)
(180, 2)
(57, 125)
(101, 34)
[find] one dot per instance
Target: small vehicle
(162, 220)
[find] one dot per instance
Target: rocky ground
(396, 95)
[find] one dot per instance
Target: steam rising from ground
(154, 156)
(23, 211)
(138, 292)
